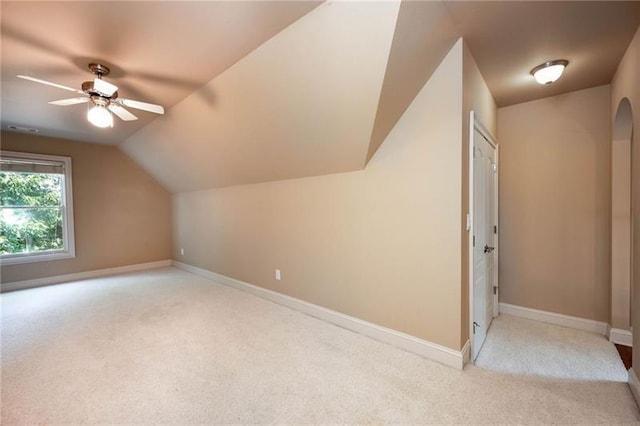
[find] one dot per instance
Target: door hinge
(495, 168)
(495, 289)
(495, 229)
(474, 241)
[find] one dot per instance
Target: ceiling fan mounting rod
(99, 69)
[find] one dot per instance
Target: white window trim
(69, 250)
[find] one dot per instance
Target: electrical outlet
(278, 276)
(182, 251)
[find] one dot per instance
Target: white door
(484, 237)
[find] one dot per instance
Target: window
(36, 220)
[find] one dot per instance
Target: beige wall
(476, 98)
(121, 215)
(381, 244)
(626, 84)
(555, 204)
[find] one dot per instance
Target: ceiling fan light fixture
(99, 115)
(101, 97)
(549, 72)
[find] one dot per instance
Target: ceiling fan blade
(103, 87)
(48, 83)
(70, 101)
(121, 112)
(142, 105)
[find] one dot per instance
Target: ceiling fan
(102, 98)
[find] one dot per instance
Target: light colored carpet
(166, 346)
(520, 346)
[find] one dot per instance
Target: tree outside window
(36, 217)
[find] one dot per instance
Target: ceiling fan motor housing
(87, 87)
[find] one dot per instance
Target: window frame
(68, 234)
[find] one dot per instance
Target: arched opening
(621, 225)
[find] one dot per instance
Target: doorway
(483, 235)
(621, 226)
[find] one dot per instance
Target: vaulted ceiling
(305, 103)
(158, 52)
(267, 90)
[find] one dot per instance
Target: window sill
(35, 257)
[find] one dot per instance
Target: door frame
(621, 318)
(476, 124)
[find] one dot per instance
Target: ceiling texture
(257, 91)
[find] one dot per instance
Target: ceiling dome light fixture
(549, 72)
(98, 114)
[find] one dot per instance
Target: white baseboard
(621, 337)
(426, 349)
(57, 279)
(557, 319)
(634, 384)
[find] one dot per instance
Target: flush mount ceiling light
(549, 72)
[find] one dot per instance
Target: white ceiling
(265, 90)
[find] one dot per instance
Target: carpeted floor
(166, 346)
(520, 346)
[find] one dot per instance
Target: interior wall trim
(583, 324)
(466, 353)
(424, 348)
(621, 337)
(57, 279)
(634, 384)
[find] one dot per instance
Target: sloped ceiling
(263, 90)
(423, 37)
(318, 98)
(158, 52)
(302, 104)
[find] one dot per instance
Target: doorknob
(488, 249)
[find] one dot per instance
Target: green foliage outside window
(31, 219)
